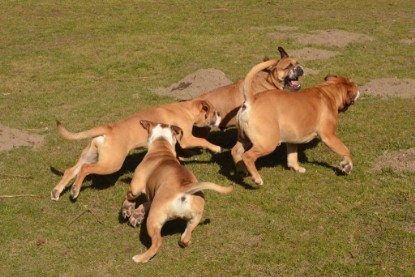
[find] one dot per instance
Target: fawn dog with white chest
(171, 189)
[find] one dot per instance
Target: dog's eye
(290, 66)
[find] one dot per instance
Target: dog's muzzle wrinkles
(292, 79)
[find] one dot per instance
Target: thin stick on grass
(20, 195)
(15, 176)
(84, 212)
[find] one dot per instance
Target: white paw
(346, 166)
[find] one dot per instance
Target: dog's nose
(218, 113)
(299, 71)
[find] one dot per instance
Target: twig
(84, 212)
(20, 195)
(17, 176)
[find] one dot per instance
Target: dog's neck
(271, 83)
(161, 144)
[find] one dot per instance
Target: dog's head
(287, 71)
(348, 90)
(205, 113)
(170, 133)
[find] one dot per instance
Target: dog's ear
(146, 124)
(205, 106)
(177, 132)
(330, 77)
(282, 52)
(352, 93)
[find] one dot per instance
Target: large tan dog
(111, 143)
(281, 74)
(171, 189)
(272, 117)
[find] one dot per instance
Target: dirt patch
(195, 84)
(401, 161)
(390, 87)
(13, 138)
(332, 37)
(409, 41)
(307, 54)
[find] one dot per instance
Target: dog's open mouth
(293, 85)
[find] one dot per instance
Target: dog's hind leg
(88, 155)
(102, 167)
(292, 158)
(155, 222)
(251, 156)
(237, 151)
(198, 203)
(110, 160)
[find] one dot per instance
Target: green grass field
(86, 63)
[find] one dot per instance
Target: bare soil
(195, 84)
(12, 138)
(403, 160)
(390, 87)
(332, 37)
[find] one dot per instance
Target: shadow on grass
(170, 228)
(100, 182)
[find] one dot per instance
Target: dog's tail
(207, 185)
(94, 132)
(247, 89)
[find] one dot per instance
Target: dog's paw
(74, 192)
(136, 218)
(241, 169)
(217, 149)
(54, 195)
(346, 166)
(298, 169)
(258, 181)
(183, 244)
(127, 209)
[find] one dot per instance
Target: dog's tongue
(295, 84)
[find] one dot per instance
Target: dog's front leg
(337, 146)
(137, 187)
(139, 214)
(292, 158)
(192, 142)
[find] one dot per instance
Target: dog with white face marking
(171, 189)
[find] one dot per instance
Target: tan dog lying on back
(110, 144)
(281, 74)
(171, 189)
(272, 117)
